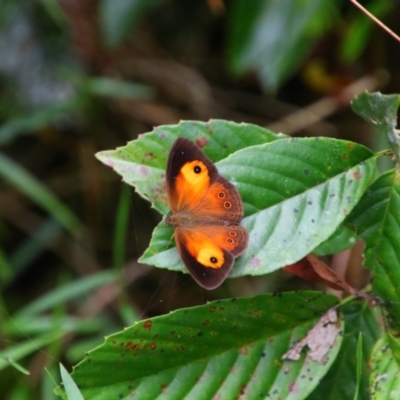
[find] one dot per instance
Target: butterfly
(206, 210)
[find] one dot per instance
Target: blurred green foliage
(79, 77)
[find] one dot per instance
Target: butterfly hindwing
(208, 263)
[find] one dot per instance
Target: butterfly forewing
(189, 174)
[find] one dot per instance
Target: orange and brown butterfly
(206, 210)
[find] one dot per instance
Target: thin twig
(376, 20)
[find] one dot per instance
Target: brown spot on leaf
(202, 142)
(147, 325)
(130, 346)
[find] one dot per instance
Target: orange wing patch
(206, 245)
(201, 248)
(190, 185)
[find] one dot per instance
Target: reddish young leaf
(315, 270)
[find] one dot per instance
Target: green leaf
(71, 390)
(385, 375)
(119, 17)
(272, 37)
(31, 122)
(224, 349)
(377, 220)
(32, 247)
(296, 193)
(27, 184)
(341, 380)
(18, 366)
(395, 345)
(13, 353)
(380, 111)
(115, 88)
(342, 239)
(359, 366)
(37, 325)
(56, 12)
(6, 272)
(65, 293)
(142, 162)
(358, 34)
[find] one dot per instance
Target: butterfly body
(205, 212)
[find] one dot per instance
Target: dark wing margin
(208, 278)
(183, 151)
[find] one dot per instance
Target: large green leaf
(385, 375)
(142, 162)
(296, 193)
(377, 220)
(341, 380)
(224, 349)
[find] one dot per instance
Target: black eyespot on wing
(228, 204)
(182, 152)
(197, 169)
(214, 260)
(208, 278)
(221, 195)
